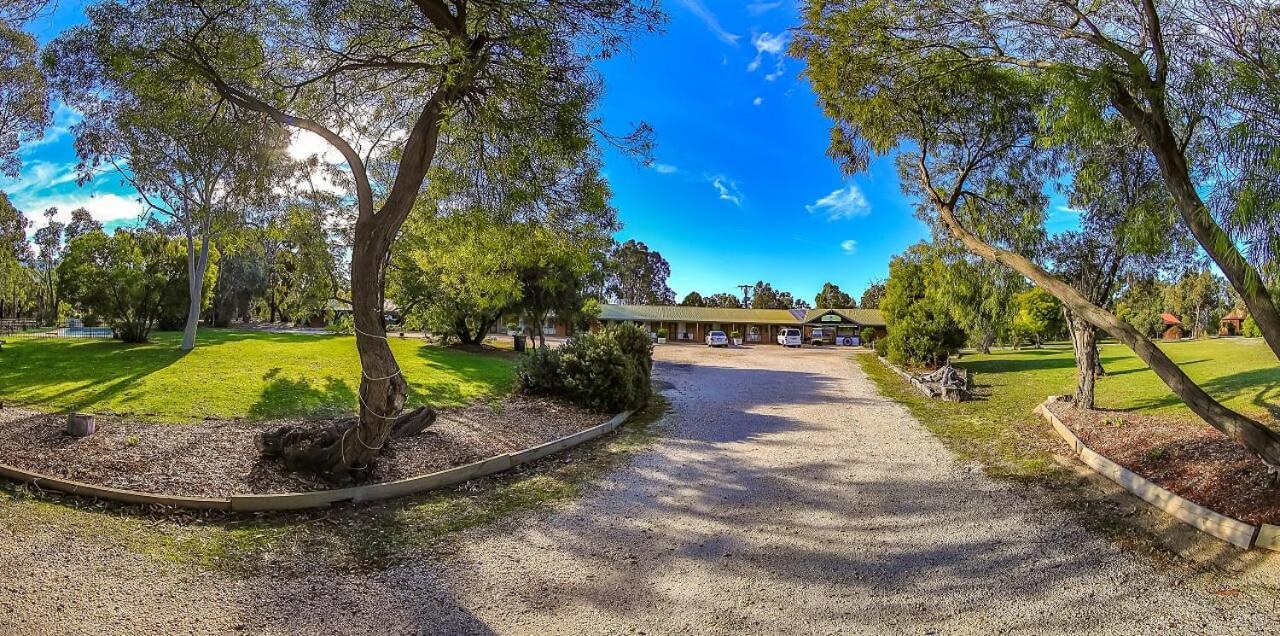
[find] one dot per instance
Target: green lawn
(1001, 431)
(231, 374)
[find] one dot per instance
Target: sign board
(831, 318)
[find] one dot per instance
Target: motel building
(754, 326)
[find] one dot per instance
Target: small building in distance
(1232, 323)
(754, 326)
(1172, 327)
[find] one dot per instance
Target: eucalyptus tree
(1195, 81)
(971, 149)
(638, 275)
(15, 253)
(197, 165)
(1126, 226)
(832, 298)
(24, 91)
(386, 84)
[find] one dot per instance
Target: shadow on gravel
(873, 538)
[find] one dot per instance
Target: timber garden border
(303, 500)
(1238, 533)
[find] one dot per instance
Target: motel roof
(677, 313)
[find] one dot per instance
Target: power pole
(746, 296)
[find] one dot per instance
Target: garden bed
(217, 458)
(1189, 459)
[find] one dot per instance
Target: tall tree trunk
(1259, 439)
(197, 264)
(1084, 342)
(1157, 132)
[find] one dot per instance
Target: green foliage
(921, 331)
(832, 298)
(764, 296)
(1197, 298)
(1250, 328)
(607, 370)
(662, 332)
(693, 299)
(872, 295)
(24, 92)
(723, 300)
(126, 279)
(342, 326)
(1039, 316)
(881, 345)
(638, 276)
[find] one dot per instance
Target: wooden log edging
(318, 499)
(1238, 533)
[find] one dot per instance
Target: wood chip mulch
(216, 458)
(1190, 459)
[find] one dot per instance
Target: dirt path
(787, 497)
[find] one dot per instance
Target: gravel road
(786, 497)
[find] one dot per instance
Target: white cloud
(777, 72)
(664, 168)
(38, 176)
(846, 203)
(849, 246)
(768, 44)
(306, 143)
(104, 208)
(64, 117)
(713, 23)
(728, 189)
(757, 101)
(758, 8)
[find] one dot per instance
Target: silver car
(717, 339)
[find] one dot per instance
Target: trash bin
(519, 343)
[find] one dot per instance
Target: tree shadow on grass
(286, 397)
(77, 375)
(1260, 386)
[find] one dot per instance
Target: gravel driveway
(786, 497)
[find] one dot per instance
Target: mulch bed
(1188, 458)
(216, 458)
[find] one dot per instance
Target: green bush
(662, 332)
(881, 346)
(342, 325)
(871, 334)
(1250, 328)
(607, 370)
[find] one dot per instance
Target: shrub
(342, 325)
(870, 335)
(662, 332)
(607, 370)
(881, 346)
(735, 335)
(1250, 328)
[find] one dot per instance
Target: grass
(1000, 431)
(232, 374)
(349, 537)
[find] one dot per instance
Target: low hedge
(607, 370)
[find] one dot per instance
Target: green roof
(676, 313)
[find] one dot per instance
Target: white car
(789, 337)
(717, 339)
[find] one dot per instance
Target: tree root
(312, 449)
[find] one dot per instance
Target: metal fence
(32, 329)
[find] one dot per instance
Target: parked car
(717, 339)
(789, 337)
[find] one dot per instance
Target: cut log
(80, 424)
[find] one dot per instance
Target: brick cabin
(1172, 327)
(1232, 323)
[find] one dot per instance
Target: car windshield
(717, 334)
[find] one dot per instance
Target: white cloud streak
(849, 246)
(846, 203)
(728, 189)
(713, 23)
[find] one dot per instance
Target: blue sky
(741, 189)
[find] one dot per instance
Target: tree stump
(80, 424)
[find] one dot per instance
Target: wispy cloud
(64, 118)
(759, 8)
(757, 101)
(728, 189)
(849, 246)
(38, 176)
(846, 203)
(767, 44)
(665, 168)
(713, 23)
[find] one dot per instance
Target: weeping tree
(386, 84)
(971, 148)
(197, 165)
(1196, 82)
